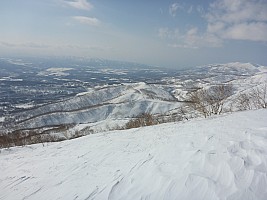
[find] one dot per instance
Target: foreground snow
(219, 158)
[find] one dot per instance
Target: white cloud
(236, 11)
(40, 46)
(192, 31)
(215, 27)
(238, 20)
(191, 38)
(200, 9)
(255, 31)
(184, 46)
(8, 44)
(92, 21)
(24, 45)
(166, 33)
(190, 9)
(163, 32)
(86, 47)
(79, 4)
(225, 19)
(173, 9)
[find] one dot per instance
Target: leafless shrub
(118, 127)
(147, 119)
(183, 113)
(144, 119)
(210, 101)
(32, 136)
(243, 102)
(85, 131)
(255, 99)
(259, 96)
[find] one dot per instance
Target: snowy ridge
(102, 105)
(218, 158)
(113, 102)
(243, 76)
(234, 67)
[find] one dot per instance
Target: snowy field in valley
(223, 157)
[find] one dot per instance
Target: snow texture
(223, 157)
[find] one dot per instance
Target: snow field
(223, 157)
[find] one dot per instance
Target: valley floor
(223, 157)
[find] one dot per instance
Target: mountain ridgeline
(197, 92)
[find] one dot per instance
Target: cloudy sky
(157, 32)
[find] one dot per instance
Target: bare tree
(183, 112)
(210, 101)
(259, 96)
(255, 99)
(243, 102)
(144, 119)
(196, 101)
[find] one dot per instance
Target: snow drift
(223, 157)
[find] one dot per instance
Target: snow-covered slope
(110, 107)
(217, 158)
(113, 102)
(234, 68)
(243, 76)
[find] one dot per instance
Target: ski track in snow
(218, 158)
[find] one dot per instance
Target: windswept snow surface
(217, 158)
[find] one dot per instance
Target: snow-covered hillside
(242, 76)
(109, 107)
(112, 102)
(217, 158)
